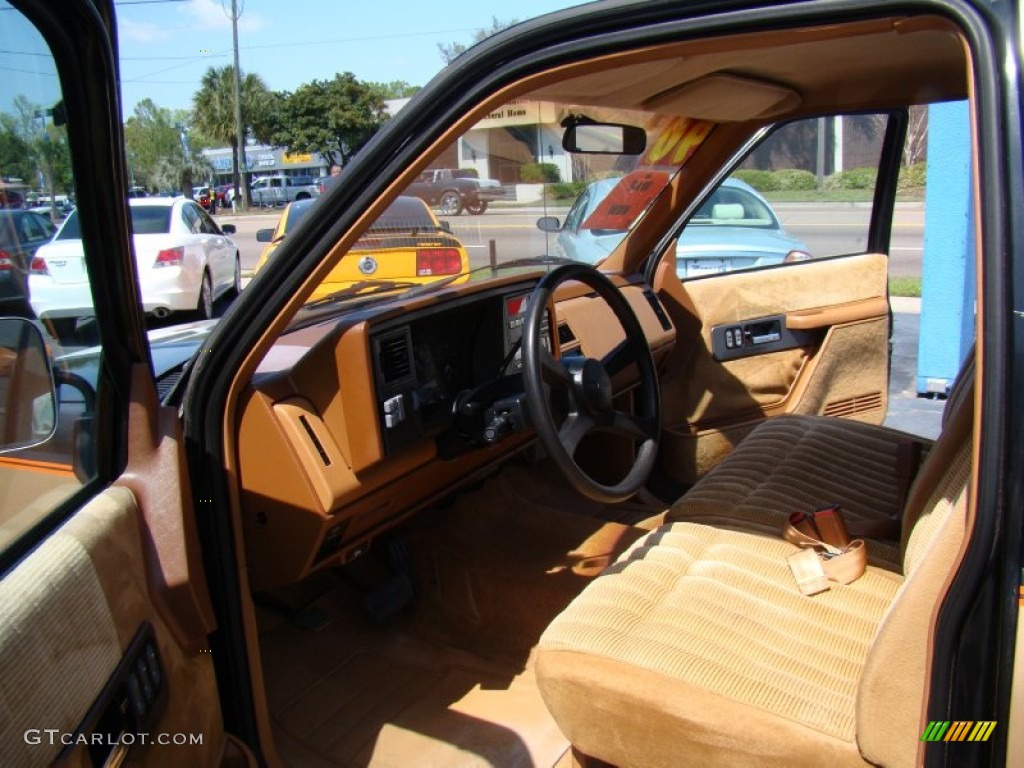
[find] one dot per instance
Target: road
(827, 229)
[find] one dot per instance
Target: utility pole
(243, 187)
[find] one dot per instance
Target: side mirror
(604, 139)
(28, 394)
(549, 224)
(228, 229)
(264, 235)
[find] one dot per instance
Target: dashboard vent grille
(393, 358)
(565, 335)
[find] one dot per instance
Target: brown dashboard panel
(322, 467)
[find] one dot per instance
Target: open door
(782, 307)
(105, 615)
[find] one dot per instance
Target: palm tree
(213, 108)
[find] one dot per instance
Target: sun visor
(725, 98)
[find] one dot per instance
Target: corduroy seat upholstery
(697, 648)
(811, 461)
(800, 463)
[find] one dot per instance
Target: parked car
(292, 214)
(184, 260)
(552, 514)
(735, 228)
(282, 189)
(22, 232)
(406, 245)
(454, 190)
(206, 197)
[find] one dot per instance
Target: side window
(190, 215)
(47, 445)
(207, 224)
(805, 192)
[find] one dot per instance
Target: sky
(167, 45)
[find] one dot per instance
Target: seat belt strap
(827, 555)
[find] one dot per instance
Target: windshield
(505, 192)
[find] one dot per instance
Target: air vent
(166, 383)
(565, 335)
(393, 359)
(852, 406)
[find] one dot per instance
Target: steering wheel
(587, 384)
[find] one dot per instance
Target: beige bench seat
(801, 463)
(697, 648)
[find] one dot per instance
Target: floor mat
(355, 694)
(450, 681)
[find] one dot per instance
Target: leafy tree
(213, 111)
(396, 89)
(34, 149)
(450, 51)
(152, 137)
(332, 117)
(15, 152)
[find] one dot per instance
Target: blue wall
(947, 273)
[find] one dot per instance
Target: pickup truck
(281, 190)
(455, 189)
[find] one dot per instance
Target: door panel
(840, 311)
(72, 608)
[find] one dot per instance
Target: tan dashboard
(352, 424)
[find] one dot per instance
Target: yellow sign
(303, 158)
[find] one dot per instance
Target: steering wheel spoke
(576, 426)
(621, 423)
(620, 357)
(552, 371)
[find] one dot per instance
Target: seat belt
(827, 554)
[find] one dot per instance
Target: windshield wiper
(531, 261)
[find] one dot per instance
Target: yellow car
(406, 244)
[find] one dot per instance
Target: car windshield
(478, 202)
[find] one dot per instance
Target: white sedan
(184, 260)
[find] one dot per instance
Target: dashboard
(352, 424)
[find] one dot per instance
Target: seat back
(934, 526)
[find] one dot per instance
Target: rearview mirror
(264, 235)
(27, 393)
(228, 229)
(604, 139)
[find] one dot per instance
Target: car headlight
(793, 256)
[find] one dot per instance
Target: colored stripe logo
(959, 730)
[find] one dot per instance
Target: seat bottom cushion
(814, 461)
(696, 647)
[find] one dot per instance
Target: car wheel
(451, 203)
(236, 285)
(477, 207)
(204, 306)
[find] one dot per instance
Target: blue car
(735, 228)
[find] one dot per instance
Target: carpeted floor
(448, 681)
